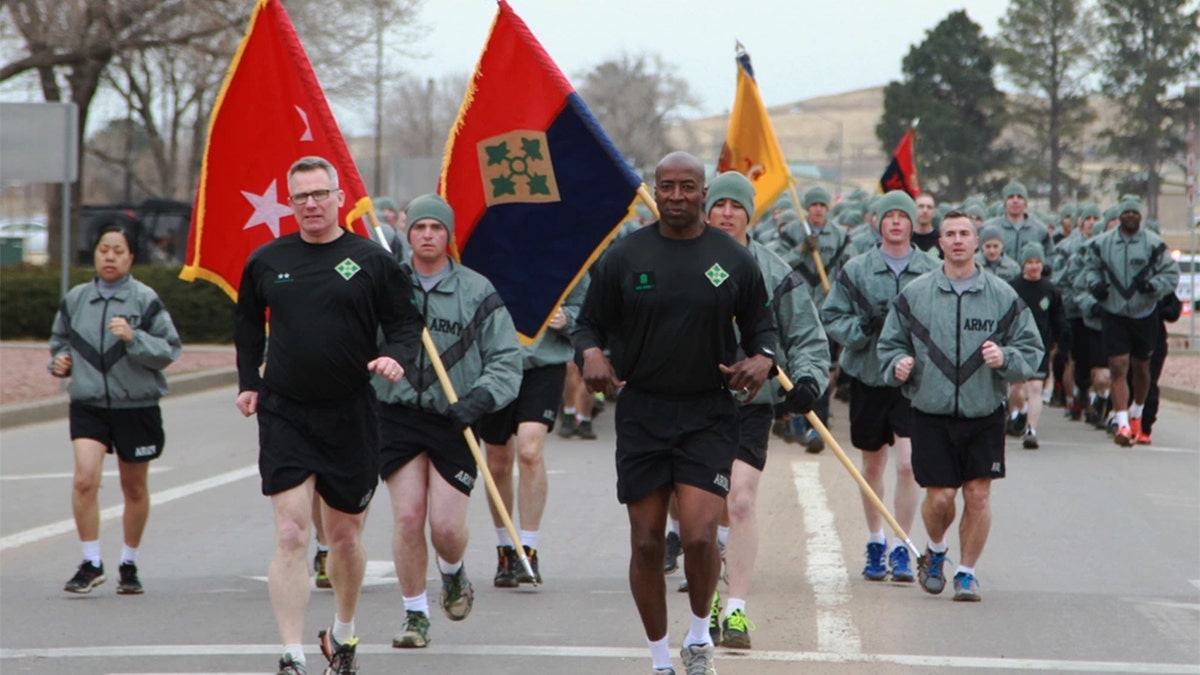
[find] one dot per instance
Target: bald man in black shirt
(665, 299)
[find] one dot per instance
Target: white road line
(826, 571)
(569, 651)
(114, 473)
(156, 499)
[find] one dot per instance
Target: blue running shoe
(929, 571)
(966, 588)
(898, 561)
(876, 570)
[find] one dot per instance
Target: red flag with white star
(270, 112)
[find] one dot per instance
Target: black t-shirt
(667, 308)
(1044, 302)
(326, 303)
(927, 241)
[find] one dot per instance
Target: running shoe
(735, 630)
(1142, 439)
(566, 426)
(1124, 437)
(813, 443)
(321, 579)
(664, 671)
(1111, 427)
(86, 578)
(519, 569)
(458, 596)
(129, 583)
(1135, 427)
(1016, 425)
(900, 568)
(289, 667)
(966, 587)
(714, 619)
(416, 631)
(929, 571)
(875, 569)
(342, 660)
(505, 577)
(698, 659)
(1030, 442)
(674, 550)
(781, 428)
(585, 431)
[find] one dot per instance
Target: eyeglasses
(301, 198)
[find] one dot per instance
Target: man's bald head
(681, 160)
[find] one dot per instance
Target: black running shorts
(949, 451)
(135, 434)
(663, 441)
(754, 433)
(878, 416)
(407, 432)
(1135, 337)
(339, 443)
(538, 400)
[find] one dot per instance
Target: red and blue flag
(536, 186)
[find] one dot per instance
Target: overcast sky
(799, 49)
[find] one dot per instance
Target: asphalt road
(1093, 565)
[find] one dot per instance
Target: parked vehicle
(1188, 289)
(159, 226)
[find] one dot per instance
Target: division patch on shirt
(716, 275)
(643, 281)
(1044, 304)
(347, 268)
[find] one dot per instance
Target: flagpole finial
(916, 122)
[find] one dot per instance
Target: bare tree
(636, 99)
(420, 113)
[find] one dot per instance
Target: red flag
(901, 173)
(270, 112)
(536, 186)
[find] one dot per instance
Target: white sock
(529, 538)
(342, 632)
(568, 412)
(877, 538)
(660, 652)
(673, 525)
(1025, 408)
(91, 551)
(417, 603)
(502, 537)
(1122, 418)
(1135, 410)
(449, 568)
(722, 535)
(295, 651)
(128, 554)
(698, 633)
(964, 570)
(1013, 415)
(734, 605)
(322, 548)
(1091, 397)
(938, 546)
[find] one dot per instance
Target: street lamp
(801, 108)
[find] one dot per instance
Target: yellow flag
(751, 147)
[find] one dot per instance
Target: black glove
(801, 398)
(471, 408)
(810, 244)
(1144, 286)
(875, 325)
(1096, 310)
(1099, 291)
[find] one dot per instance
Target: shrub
(29, 297)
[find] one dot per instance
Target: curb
(1185, 396)
(56, 408)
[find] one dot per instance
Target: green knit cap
(431, 206)
(1129, 205)
(784, 203)
(788, 216)
(850, 218)
(382, 203)
(974, 209)
(1109, 213)
(731, 185)
(1032, 251)
(1088, 209)
(897, 200)
(988, 233)
(817, 195)
(1016, 188)
(1067, 211)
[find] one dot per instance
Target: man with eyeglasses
(328, 295)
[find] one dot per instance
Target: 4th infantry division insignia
(347, 268)
(516, 167)
(716, 275)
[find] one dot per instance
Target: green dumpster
(12, 251)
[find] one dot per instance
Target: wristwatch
(767, 353)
